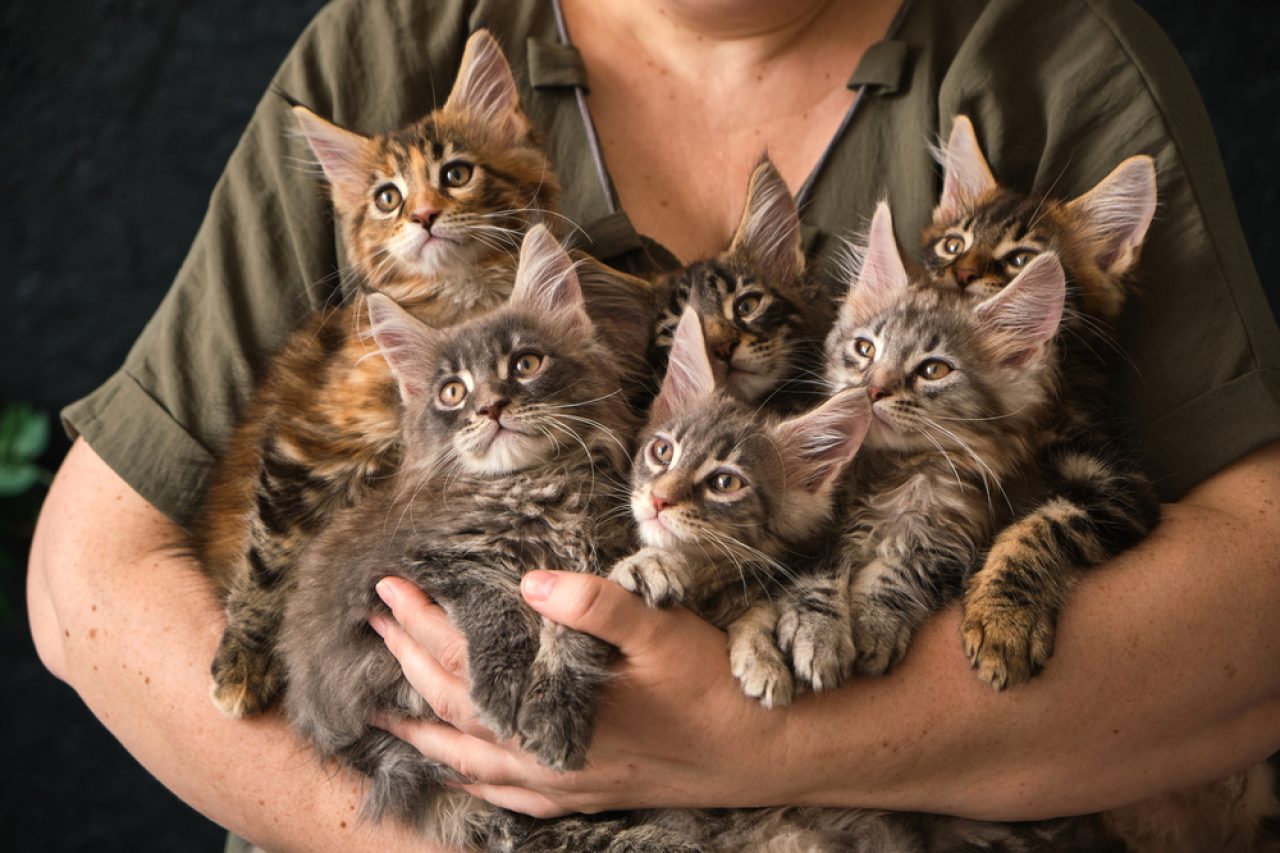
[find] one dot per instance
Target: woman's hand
(672, 729)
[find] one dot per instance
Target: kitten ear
(769, 232)
(966, 175)
(486, 89)
(547, 280)
(881, 278)
(406, 343)
(689, 376)
(1026, 314)
(339, 151)
(818, 445)
(1116, 213)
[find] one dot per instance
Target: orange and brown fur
(431, 215)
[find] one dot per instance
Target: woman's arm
(1165, 676)
(132, 628)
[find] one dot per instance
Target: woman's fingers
(520, 800)
(474, 759)
(426, 622)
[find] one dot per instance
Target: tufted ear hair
(1116, 214)
(769, 232)
(406, 343)
(818, 445)
(1025, 315)
(339, 152)
(881, 279)
(966, 175)
(689, 377)
(547, 280)
(486, 90)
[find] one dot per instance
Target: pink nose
(424, 216)
(878, 393)
(493, 409)
(967, 274)
(724, 351)
(660, 502)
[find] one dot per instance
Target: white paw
(762, 674)
(650, 573)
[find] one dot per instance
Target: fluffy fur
(516, 436)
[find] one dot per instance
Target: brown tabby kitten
(725, 500)
(764, 321)
(516, 436)
(430, 215)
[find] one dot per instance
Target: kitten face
(981, 252)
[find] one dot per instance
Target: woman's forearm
(132, 628)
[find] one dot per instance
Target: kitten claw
(1007, 644)
(761, 673)
(653, 574)
(881, 638)
(820, 647)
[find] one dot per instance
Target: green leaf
(24, 432)
(16, 478)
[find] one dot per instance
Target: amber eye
(934, 368)
(526, 363)
(452, 393)
(725, 482)
(661, 450)
(864, 348)
(951, 245)
(745, 306)
(387, 198)
(1019, 259)
(455, 174)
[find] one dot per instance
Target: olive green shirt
(1059, 93)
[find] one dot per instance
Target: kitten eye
(934, 368)
(725, 482)
(455, 174)
(387, 198)
(1019, 259)
(661, 450)
(864, 348)
(452, 393)
(951, 245)
(745, 306)
(526, 363)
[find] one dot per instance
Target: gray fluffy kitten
(516, 439)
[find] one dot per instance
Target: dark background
(117, 118)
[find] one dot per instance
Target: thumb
(592, 605)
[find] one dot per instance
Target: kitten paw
(820, 647)
(653, 574)
(496, 694)
(1007, 644)
(556, 720)
(880, 638)
(761, 671)
(243, 682)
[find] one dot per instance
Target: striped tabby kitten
(763, 320)
(429, 215)
(724, 497)
(515, 442)
(1095, 502)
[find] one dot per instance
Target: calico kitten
(515, 444)
(725, 499)
(764, 321)
(430, 215)
(1095, 501)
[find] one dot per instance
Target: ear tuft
(966, 175)
(486, 88)
(818, 445)
(406, 344)
(881, 277)
(339, 152)
(769, 231)
(1117, 212)
(689, 376)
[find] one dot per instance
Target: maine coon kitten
(430, 215)
(516, 436)
(725, 499)
(1096, 502)
(764, 320)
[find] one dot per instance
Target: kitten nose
(424, 216)
(493, 408)
(967, 273)
(878, 393)
(724, 349)
(660, 501)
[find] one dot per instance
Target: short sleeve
(1060, 94)
(265, 254)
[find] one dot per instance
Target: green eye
(1019, 259)
(951, 245)
(864, 348)
(725, 482)
(452, 393)
(745, 306)
(934, 368)
(527, 363)
(661, 450)
(387, 198)
(455, 174)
